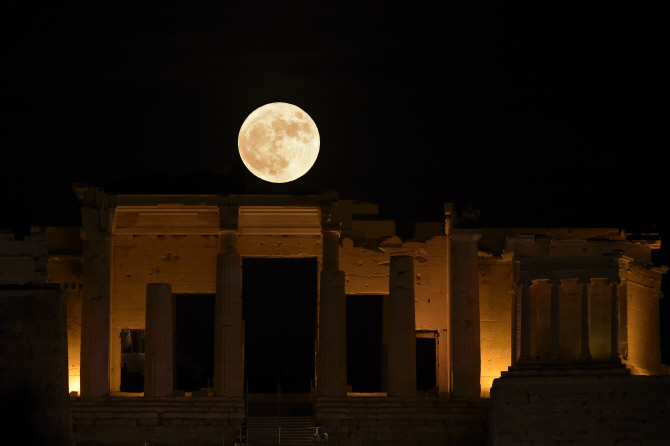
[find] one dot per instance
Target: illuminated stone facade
(493, 301)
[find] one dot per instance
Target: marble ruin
(520, 324)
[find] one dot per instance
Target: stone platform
(376, 421)
(192, 421)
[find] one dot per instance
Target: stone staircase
(271, 431)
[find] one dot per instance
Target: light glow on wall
(74, 382)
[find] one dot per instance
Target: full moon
(278, 142)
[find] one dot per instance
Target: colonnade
(585, 317)
(229, 332)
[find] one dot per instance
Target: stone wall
(34, 401)
(177, 421)
(596, 410)
(23, 261)
(371, 421)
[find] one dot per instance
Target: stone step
(293, 431)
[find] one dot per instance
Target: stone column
(96, 218)
(95, 315)
(401, 373)
(229, 328)
(331, 250)
(615, 320)
(586, 319)
(555, 319)
(331, 376)
(466, 359)
(385, 342)
(525, 319)
(332, 365)
(159, 341)
(446, 385)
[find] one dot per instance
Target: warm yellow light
(486, 382)
(279, 142)
(74, 383)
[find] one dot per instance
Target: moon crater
(279, 142)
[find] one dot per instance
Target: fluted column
(385, 342)
(331, 371)
(615, 319)
(95, 314)
(466, 359)
(159, 337)
(332, 358)
(401, 373)
(331, 248)
(229, 335)
(525, 319)
(555, 319)
(585, 319)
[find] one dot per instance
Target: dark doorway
(364, 343)
(194, 345)
(279, 307)
(426, 362)
(132, 360)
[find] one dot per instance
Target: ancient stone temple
(197, 320)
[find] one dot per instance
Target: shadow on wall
(20, 414)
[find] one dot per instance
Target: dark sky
(540, 115)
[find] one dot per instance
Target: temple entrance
(364, 343)
(194, 341)
(279, 310)
(426, 362)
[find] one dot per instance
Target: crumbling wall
(585, 410)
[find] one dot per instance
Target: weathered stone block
(10, 248)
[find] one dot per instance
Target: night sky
(540, 115)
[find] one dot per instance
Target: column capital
(465, 235)
(330, 233)
(229, 216)
(554, 281)
(229, 226)
(616, 280)
(582, 280)
(524, 282)
(228, 240)
(330, 226)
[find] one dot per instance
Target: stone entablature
(548, 268)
